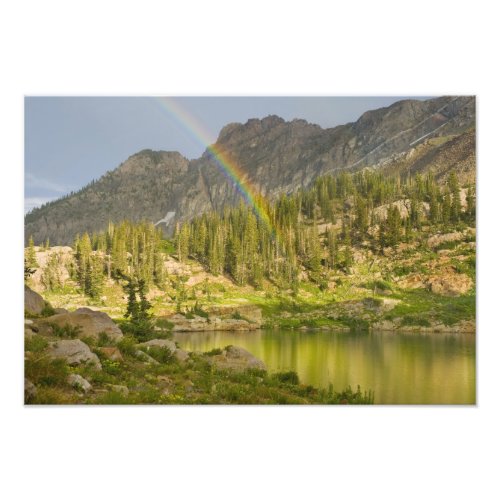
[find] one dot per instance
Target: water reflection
(400, 368)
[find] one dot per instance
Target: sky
(70, 141)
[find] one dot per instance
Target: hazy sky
(71, 140)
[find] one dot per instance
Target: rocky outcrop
(465, 326)
(33, 302)
(74, 352)
(276, 156)
(80, 383)
(111, 353)
(235, 359)
(220, 318)
(198, 323)
(179, 354)
(29, 391)
(451, 285)
(89, 323)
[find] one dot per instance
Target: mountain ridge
(277, 157)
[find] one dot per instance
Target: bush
(127, 345)
(214, 352)
(415, 321)
(290, 377)
(141, 330)
(35, 344)
(47, 372)
(47, 310)
(161, 354)
(66, 331)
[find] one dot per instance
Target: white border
(231, 48)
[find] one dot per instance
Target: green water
(401, 368)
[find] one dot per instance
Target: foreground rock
(179, 354)
(74, 352)
(78, 382)
(236, 359)
(33, 302)
(89, 322)
(29, 390)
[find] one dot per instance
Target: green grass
(419, 306)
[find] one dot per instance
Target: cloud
(36, 201)
(33, 181)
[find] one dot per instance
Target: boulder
(146, 358)
(111, 353)
(121, 389)
(78, 382)
(29, 390)
(75, 352)
(236, 359)
(91, 323)
(450, 285)
(179, 354)
(33, 302)
(60, 310)
(169, 344)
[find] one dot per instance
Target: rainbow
(223, 159)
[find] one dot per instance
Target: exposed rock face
(111, 353)
(277, 157)
(33, 302)
(29, 390)
(199, 324)
(179, 354)
(78, 382)
(91, 323)
(220, 318)
(74, 352)
(451, 285)
(465, 326)
(236, 359)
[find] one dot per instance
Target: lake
(401, 368)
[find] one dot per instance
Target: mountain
(276, 157)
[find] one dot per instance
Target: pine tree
(31, 254)
(456, 206)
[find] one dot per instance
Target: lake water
(400, 368)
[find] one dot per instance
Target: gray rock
(169, 344)
(141, 355)
(78, 382)
(75, 352)
(122, 389)
(29, 390)
(91, 323)
(236, 359)
(33, 302)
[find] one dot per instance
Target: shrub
(47, 372)
(161, 354)
(47, 310)
(214, 352)
(127, 345)
(290, 377)
(66, 331)
(36, 343)
(415, 321)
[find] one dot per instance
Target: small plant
(290, 377)
(47, 310)
(66, 331)
(103, 339)
(111, 367)
(214, 352)
(161, 354)
(127, 345)
(36, 344)
(47, 372)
